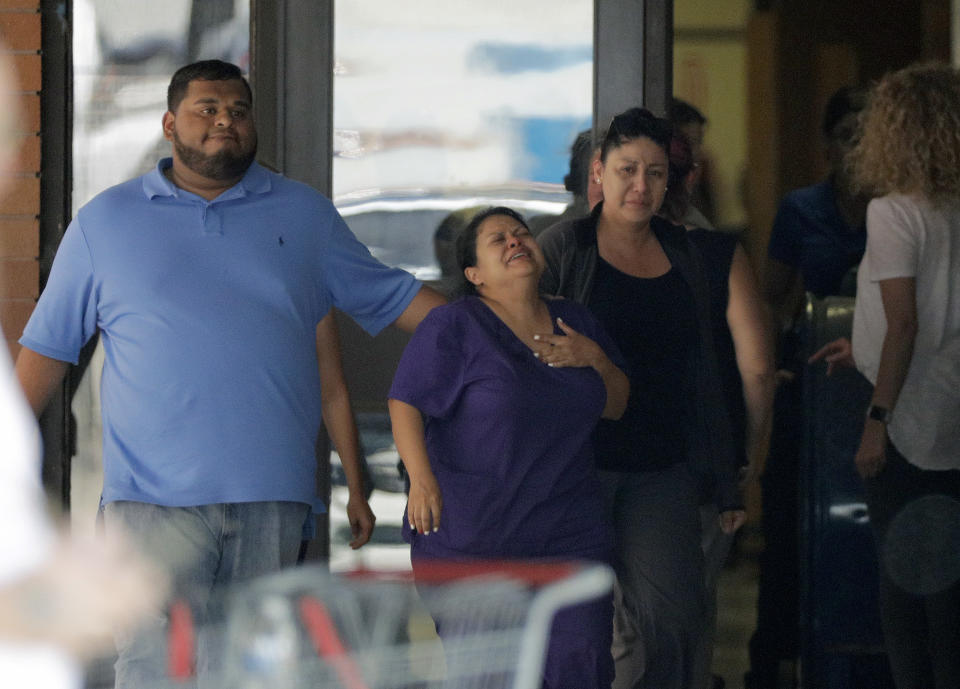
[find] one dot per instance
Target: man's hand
(731, 520)
(838, 354)
(361, 519)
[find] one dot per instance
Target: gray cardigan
(570, 249)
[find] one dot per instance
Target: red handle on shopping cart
(181, 642)
(530, 572)
(327, 642)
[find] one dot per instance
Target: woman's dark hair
(581, 151)
(205, 70)
(467, 242)
(634, 124)
(676, 201)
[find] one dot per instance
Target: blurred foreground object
(304, 627)
(59, 599)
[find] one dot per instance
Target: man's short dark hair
(681, 113)
(844, 101)
(205, 70)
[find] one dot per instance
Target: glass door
(439, 108)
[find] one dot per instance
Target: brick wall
(20, 198)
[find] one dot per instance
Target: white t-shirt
(907, 236)
(26, 536)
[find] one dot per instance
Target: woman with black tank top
(673, 447)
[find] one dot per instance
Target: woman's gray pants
(659, 597)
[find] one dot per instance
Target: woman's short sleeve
(894, 229)
(431, 371)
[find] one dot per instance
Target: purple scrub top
(509, 438)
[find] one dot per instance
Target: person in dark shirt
(819, 233)
(673, 448)
(741, 336)
(699, 181)
(817, 240)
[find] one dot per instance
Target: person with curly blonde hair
(906, 341)
(911, 135)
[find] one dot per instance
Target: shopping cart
(373, 630)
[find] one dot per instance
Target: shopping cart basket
(374, 630)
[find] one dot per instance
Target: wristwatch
(878, 413)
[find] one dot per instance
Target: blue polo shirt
(810, 234)
(207, 312)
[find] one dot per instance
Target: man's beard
(222, 166)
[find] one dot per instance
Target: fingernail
(536, 337)
(559, 320)
(550, 365)
(436, 529)
(536, 354)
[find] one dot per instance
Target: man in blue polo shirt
(206, 279)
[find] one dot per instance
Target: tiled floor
(736, 616)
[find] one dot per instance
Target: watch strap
(878, 413)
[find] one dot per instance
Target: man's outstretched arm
(422, 303)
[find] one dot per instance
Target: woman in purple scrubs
(493, 405)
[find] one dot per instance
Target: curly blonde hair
(910, 134)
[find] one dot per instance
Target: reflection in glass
(439, 108)
(445, 106)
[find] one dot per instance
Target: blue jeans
(204, 549)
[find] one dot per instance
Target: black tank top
(716, 249)
(653, 321)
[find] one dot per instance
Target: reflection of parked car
(398, 226)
